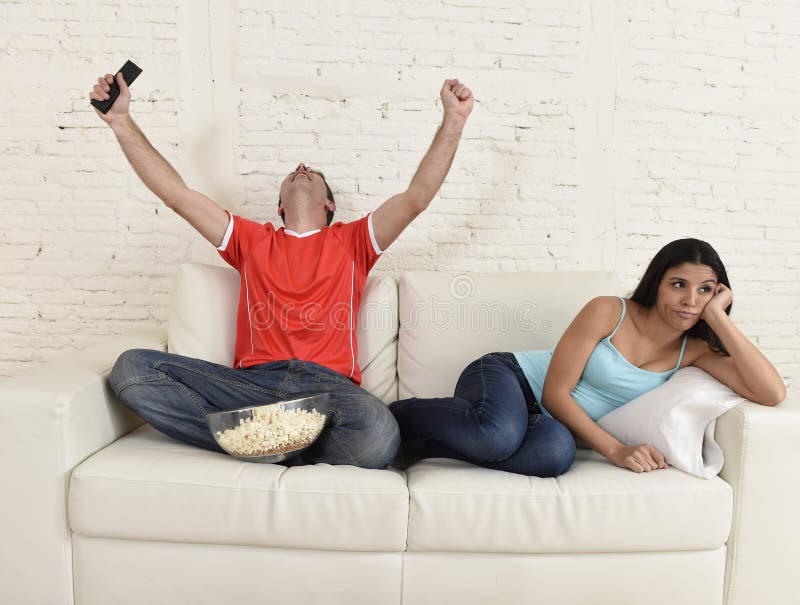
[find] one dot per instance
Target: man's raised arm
(154, 171)
(396, 213)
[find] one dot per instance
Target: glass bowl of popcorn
(271, 432)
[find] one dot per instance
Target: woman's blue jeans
(492, 420)
(175, 393)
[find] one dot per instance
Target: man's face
(303, 185)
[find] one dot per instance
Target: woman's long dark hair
(676, 253)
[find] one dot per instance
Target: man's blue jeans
(175, 393)
(492, 420)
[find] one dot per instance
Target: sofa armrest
(52, 418)
(762, 457)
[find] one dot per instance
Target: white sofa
(98, 509)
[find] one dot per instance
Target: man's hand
(396, 213)
(457, 101)
(100, 93)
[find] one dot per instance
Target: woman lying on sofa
(518, 412)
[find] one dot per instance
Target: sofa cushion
(146, 486)
(595, 507)
(202, 323)
(450, 319)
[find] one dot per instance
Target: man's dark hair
(328, 193)
(676, 253)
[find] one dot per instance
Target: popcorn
(272, 430)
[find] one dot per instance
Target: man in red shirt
(301, 286)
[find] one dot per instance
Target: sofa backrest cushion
(450, 319)
(202, 323)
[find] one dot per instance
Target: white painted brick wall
(707, 142)
(601, 131)
(83, 252)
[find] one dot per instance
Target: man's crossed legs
(175, 393)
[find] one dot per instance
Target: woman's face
(683, 294)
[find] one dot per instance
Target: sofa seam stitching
(569, 496)
(737, 507)
(66, 548)
(234, 487)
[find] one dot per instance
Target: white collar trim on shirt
(305, 234)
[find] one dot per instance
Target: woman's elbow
(776, 396)
(551, 396)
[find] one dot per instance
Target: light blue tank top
(608, 380)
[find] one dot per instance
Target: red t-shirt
(299, 293)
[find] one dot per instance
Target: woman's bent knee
(561, 450)
(496, 441)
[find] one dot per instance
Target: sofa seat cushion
(594, 507)
(146, 486)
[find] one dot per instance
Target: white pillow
(678, 419)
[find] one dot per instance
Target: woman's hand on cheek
(723, 296)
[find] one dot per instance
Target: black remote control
(130, 71)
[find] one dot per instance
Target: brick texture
(598, 135)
